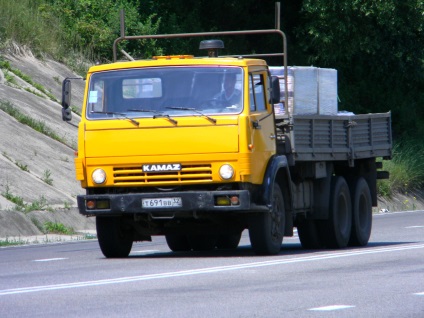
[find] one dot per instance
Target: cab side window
(257, 92)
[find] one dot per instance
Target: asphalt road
(384, 279)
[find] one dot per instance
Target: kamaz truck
(165, 149)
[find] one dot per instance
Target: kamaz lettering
(162, 168)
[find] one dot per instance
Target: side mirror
(275, 90)
(66, 93)
(66, 114)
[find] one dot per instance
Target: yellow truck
(192, 148)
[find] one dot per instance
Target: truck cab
(178, 143)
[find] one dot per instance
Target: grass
(22, 166)
(12, 242)
(20, 205)
(23, 23)
(37, 125)
(57, 228)
(46, 177)
(6, 65)
(406, 169)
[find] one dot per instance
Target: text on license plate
(162, 203)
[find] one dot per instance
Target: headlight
(99, 176)
(226, 172)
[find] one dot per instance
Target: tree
(376, 46)
(91, 26)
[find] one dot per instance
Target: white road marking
(331, 308)
(414, 227)
(209, 270)
(419, 294)
(49, 260)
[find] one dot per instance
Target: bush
(406, 168)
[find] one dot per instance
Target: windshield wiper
(119, 114)
(213, 120)
(158, 114)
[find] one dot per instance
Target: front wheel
(266, 231)
(115, 239)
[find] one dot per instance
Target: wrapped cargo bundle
(311, 90)
(327, 91)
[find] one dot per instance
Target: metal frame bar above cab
(276, 31)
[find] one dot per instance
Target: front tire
(266, 230)
(115, 239)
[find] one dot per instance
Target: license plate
(162, 203)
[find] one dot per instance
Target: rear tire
(336, 230)
(361, 213)
(114, 238)
(308, 234)
(178, 242)
(202, 242)
(266, 230)
(228, 241)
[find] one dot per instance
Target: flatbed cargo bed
(331, 138)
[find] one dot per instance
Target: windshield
(172, 91)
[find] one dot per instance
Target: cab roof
(179, 60)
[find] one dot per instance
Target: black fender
(278, 171)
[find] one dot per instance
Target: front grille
(134, 175)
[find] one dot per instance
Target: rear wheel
(178, 242)
(115, 239)
(308, 234)
(228, 241)
(361, 213)
(336, 230)
(266, 230)
(202, 242)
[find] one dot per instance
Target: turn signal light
(97, 204)
(91, 204)
(235, 200)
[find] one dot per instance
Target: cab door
(262, 124)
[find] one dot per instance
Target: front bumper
(193, 201)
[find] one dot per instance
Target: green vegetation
(22, 166)
(377, 47)
(38, 224)
(20, 205)
(46, 177)
(6, 65)
(67, 205)
(12, 242)
(406, 169)
(57, 228)
(26, 120)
